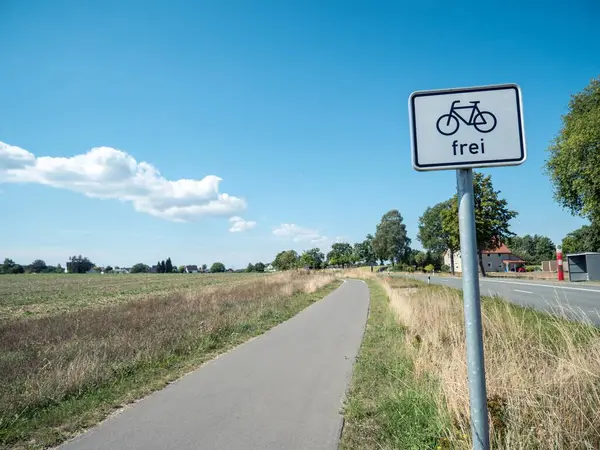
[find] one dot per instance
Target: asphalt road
(281, 390)
(576, 300)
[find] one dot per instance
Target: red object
(559, 265)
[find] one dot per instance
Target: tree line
(390, 243)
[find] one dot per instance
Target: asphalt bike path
(281, 390)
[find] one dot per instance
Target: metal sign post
(470, 281)
(462, 129)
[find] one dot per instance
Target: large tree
(492, 217)
(169, 265)
(434, 236)
(364, 252)
(390, 242)
(286, 260)
(38, 266)
(574, 161)
(313, 258)
(259, 267)
(584, 239)
(140, 268)
(340, 255)
(7, 266)
(217, 267)
(533, 249)
(420, 258)
(79, 264)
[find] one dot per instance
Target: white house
(191, 269)
(499, 260)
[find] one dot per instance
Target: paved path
(282, 390)
(577, 300)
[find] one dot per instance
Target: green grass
(35, 295)
(388, 407)
(166, 338)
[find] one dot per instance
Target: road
(578, 301)
(281, 390)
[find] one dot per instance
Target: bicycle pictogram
(483, 121)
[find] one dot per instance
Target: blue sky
(297, 111)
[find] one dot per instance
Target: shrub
(445, 268)
(429, 268)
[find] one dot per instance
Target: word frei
(472, 147)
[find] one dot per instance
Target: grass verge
(388, 405)
(542, 370)
(63, 373)
(410, 389)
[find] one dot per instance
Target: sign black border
(488, 163)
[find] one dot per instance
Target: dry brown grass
(543, 372)
(47, 362)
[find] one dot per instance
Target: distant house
(270, 268)
(191, 269)
(121, 270)
(229, 270)
(153, 269)
(500, 260)
(94, 271)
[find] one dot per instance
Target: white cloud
(298, 234)
(108, 173)
(238, 224)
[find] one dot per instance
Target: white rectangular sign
(467, 127)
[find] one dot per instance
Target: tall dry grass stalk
(45, 360)
(543, 372)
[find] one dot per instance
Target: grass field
(542, 372)
(37, 295)
(94, 343)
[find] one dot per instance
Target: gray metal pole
(472, 306)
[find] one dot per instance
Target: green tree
(217, 267)
(286, 260)
(17, 268)
(391, 242)
(492, 217)
(108, 269)
(7, 266)
(432, 234)
(181, 269)
(140, 268)
(38, 266)
(79, 264)
(204, 267)
(169, 265)
(574, 161)
(420, 258)
(364, 253)
(313, 258)
(250, 268)
(59, 269)
(584, 239)
(259, 267)
(340, 254)
(533, 249)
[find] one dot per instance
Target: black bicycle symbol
(483, 121)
